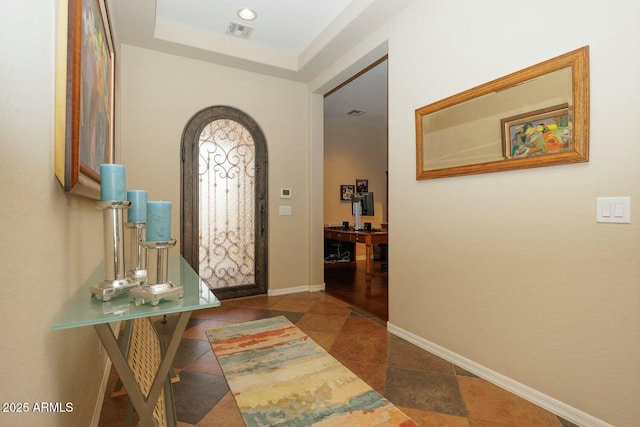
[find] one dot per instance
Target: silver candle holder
(116, 281)
(137, 254)
(158, 286)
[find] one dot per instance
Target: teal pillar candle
(158, 221)
(137, 212)
(112, 182)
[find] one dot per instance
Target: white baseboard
(561, 409)
(295, 290)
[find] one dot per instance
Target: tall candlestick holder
(137, 254)
(116, 281)
(158, 286)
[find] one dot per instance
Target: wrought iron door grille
(227, 204)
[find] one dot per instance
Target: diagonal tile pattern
(427, 388)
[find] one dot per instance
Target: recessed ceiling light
(247, 14)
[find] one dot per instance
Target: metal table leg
(145, 405)
(124, 348)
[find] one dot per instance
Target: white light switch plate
(613, 209)
(285, 210)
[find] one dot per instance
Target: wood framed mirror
(538, 116)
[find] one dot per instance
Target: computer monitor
(366, 202)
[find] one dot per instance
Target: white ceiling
(286, 26)
(366, 93)
(293, 39)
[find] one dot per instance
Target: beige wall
(354, 149)
(50, 242)
(160, 93)
(510, 270)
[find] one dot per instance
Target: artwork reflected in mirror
(538, 116)
(538, 132)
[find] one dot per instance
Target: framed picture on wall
(362, 185)
(85, 91)
(346, 191)
(538, 132)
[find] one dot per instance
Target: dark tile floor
(429, 389)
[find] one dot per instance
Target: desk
(83, 310)
(369, 238)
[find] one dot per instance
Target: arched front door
(224, 201)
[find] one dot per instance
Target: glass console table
(85, 310)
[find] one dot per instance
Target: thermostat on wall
(285, 193)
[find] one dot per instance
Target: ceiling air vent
(355, 113)
(239, 30)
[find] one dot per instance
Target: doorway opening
(356, 154)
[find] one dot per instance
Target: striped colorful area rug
(281, 377)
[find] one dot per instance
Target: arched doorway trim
(189, 196)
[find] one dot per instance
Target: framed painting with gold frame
(85, 91)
